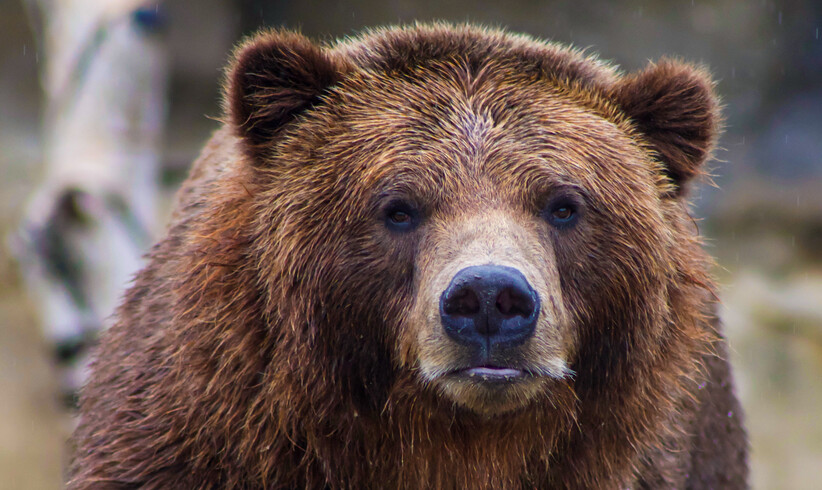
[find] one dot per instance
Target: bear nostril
(463, 302)
(512, 303)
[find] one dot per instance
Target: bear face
(445, 165)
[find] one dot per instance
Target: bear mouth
(491, 374)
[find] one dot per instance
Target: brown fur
(282, 337)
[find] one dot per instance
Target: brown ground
(32, 426)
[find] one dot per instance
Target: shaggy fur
(283, 337)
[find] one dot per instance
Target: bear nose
(489, 305)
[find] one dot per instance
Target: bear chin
(493, 391)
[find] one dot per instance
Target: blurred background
(105, 103)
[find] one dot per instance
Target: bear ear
(275, 75)
(674, 106)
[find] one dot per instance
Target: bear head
(473, 218)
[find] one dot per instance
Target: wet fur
(271, 343)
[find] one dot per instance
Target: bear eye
(562, 213)
(401, 216)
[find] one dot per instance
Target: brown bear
(430, 256)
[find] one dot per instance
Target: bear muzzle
(490, 309)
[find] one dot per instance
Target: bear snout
(489, 308)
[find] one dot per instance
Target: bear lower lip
(490, 373)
